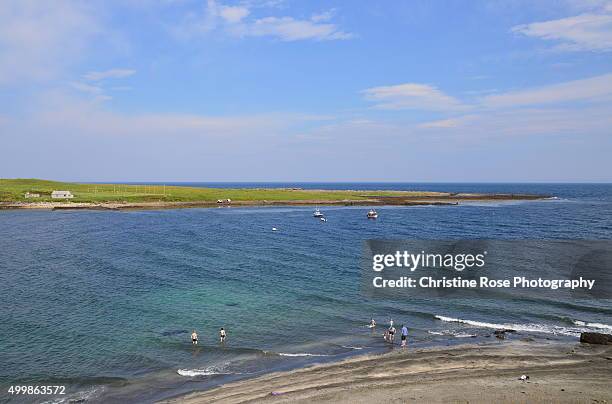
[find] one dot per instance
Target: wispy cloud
(94, 86)
(534, 121)
(95, 92)
(585, 32)
(591, 89)
(233, 14)
(557, 108)
(38, 40)
(240, 21)
(65, 112)
(109, 74)
(448, 123)
(323, 16)
(424, 97)
(291, 29)
(412, 96)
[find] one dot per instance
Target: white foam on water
(300, 354)
(593, 325)
(540, 328)
(209, 371)
(80, 396)
(351, 347)
(452, 334)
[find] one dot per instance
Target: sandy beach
(470, 373)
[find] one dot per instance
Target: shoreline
(558, 372)
(446, 200)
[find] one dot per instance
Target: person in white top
(222, 334)
(194, 338)
(391, 334)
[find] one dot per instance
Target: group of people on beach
(194, 336)
(389, 334)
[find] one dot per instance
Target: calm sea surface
(104, 302)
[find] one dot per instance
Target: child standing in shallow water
(194, 338)
(222, 334)
(404, 335)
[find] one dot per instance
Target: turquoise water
(104, 302)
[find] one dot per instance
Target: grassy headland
(13, 191)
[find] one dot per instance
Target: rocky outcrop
(596, 338)
(501, 334)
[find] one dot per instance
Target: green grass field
(13, 190)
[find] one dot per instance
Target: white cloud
(412, 96)
(447, 123)
(324, 16)
(290, 29)
(572, 107)
(591, 89)
(109, 74)
(61, 112)
(38, 39)
(97, 89)
(87, 88)
(239, 21)
(234, 14)
(585, 32)
(592, 121)
(95, 92)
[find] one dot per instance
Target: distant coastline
(42, 194)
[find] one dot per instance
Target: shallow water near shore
(104, 302)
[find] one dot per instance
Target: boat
(372, 214)
(323, 219)
(317, 213)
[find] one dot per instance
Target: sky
(288, 90)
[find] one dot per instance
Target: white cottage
(62, 195)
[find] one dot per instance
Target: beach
(558, 372)
(141, 280)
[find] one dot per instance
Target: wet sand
(576, 373)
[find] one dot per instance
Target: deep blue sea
(104, 302)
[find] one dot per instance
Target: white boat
(317, 213)
(372, 214)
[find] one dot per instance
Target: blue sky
(287, 90)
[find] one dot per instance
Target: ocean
(104, 302)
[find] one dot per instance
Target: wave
(453, 334)
(539, 328)
(79, 396)
(300, 354)
(209, 371)
(351, 347)
(593, 325)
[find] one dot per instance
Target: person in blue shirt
(404, 335)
